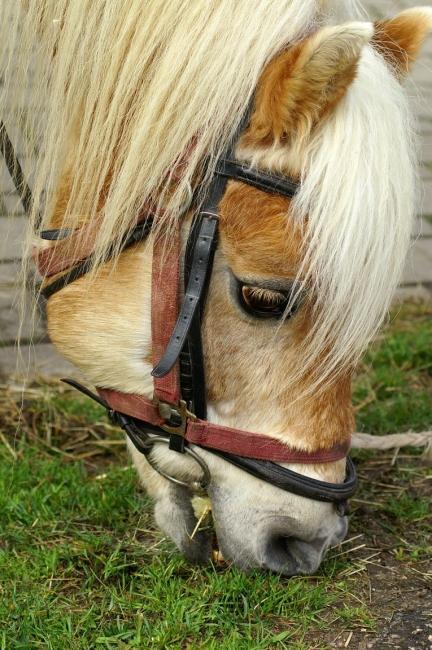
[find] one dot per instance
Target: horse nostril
(292, 556)
(280, 543)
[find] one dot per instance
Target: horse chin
(175, 515)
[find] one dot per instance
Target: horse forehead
(258, 232)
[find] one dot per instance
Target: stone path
(41, 359)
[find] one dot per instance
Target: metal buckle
(175, 416)
(175, 422)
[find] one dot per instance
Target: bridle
(176, 416)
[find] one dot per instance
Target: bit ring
(200, 487)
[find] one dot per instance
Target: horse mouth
(203, 512)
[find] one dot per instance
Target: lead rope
(395, 441)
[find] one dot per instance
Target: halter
(176, 416)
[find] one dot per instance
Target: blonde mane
(119, 91)
(358, 193)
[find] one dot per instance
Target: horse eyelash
(266, 296)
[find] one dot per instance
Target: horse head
(299, 284)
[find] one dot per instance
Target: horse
(285, 127)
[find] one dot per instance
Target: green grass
(83, 566)
(394, 388)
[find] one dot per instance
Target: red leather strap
(80, 244)
(65, 253)
(258, 446)
(164, 308)
(215, 436)
(136, 406)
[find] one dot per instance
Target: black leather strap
(70, 276)
(201, 266)
(139, 233)
(270, 183)
(299, 484)
(192, 375)
(55, 234)
(140, 433)
(15, 169)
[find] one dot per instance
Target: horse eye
(263, 303)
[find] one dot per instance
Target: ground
(83, 565)
(81, 562)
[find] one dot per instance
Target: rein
(176, 416)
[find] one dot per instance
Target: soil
(397, 591)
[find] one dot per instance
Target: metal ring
(196, 486)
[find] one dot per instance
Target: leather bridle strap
(202, 260)
(270, 183)
(15, 169)
(215, 437)
(164, 308)
(201, 265)
(139, 232)
(299, 484)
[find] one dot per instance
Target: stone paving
(41, 359)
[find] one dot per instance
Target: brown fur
(299, 88)
(259, 239)
(399, 39)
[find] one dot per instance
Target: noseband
(177, 414)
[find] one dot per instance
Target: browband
(270, 183)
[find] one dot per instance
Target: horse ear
(304, 82)
(399, 39)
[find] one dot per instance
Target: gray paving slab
(9, 273)
(34, 362)
(12, 232)
(426, 197)
(426, 171)
(422, 228)
(426, 148)
(11, 309)
(418, 267)
(11, 204)
(6, 184)
(425, 121)
(422, 72)
(416, 292)
(387, 8)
